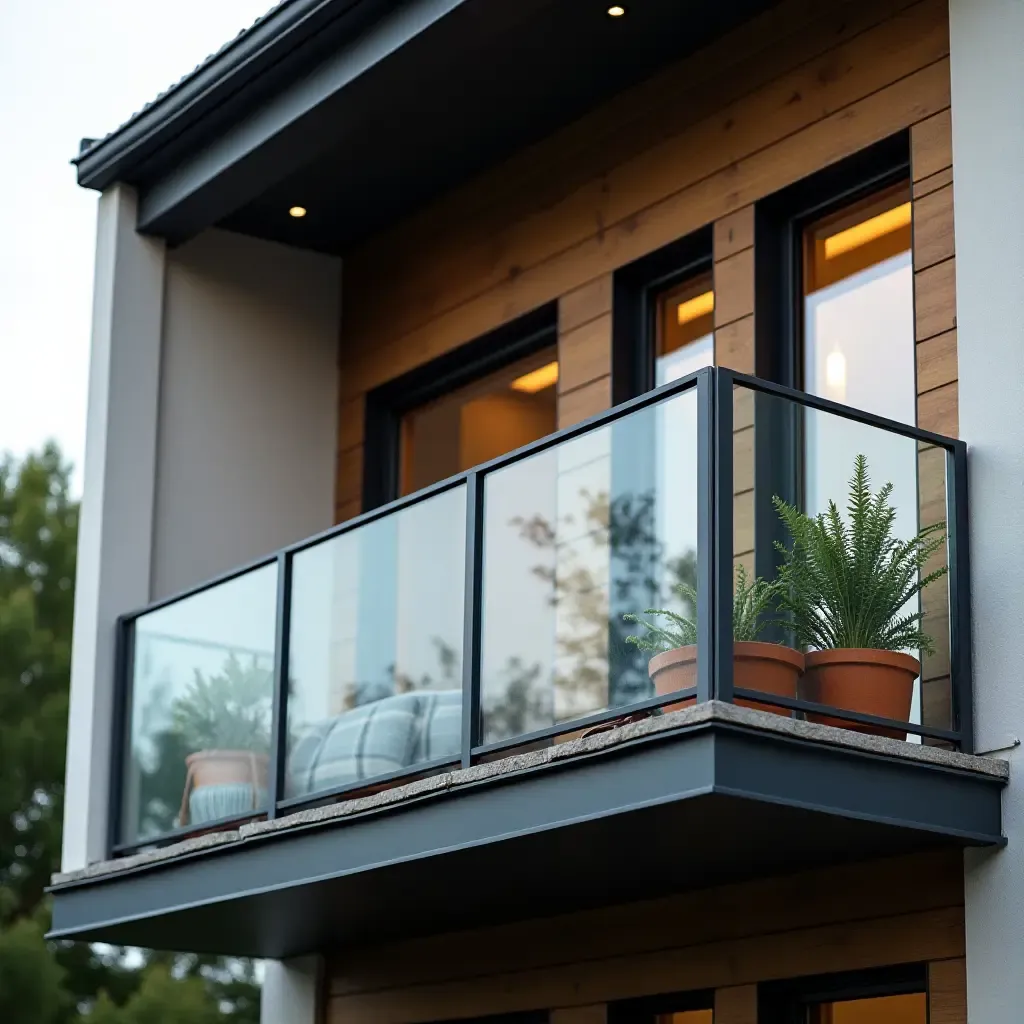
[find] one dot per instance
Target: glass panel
(575, 537)
(473, 424)
(685, 325)
(904, 1009)
(200, 708)
(376, 647)
(917, 500)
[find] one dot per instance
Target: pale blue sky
(67, 70)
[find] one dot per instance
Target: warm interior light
(616, 11)
(835, 375)
(700, 305)
(297, 211)
(867, 231)
(536, 380)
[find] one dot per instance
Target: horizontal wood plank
(933, 228)
(351, 421)
(586, 303)
(589, 400)
(349, 481)
(935, 300)
(733, 233)
(734, 345)
(859, 945)
(936, 361)
(938, 411)
(585, 353)
(734, 287)
(580, 1015)
(736, 1005)
(933, 182)
(931, 145)
(947, 991)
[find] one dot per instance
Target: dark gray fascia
(681, 809)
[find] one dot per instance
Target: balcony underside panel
(677, 810)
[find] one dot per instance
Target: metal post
(706, 535)
(472, 619)
(124, 651)
(722, 490)
(958, 548)
(279, 720)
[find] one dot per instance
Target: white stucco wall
(248, 398)
(987, 74)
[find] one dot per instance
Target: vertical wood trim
(736, 1005)
(584, 351)
(947, 992)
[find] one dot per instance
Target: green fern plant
(752, 600)
(846, 584)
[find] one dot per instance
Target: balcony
(444, 688)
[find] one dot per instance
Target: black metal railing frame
(715, 388)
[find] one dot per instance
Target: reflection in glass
(685, 326)
(574, 537)
(902, 1009)
(476, 423)
(200, 708)
(376, 647)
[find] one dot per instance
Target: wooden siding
(800, 87)
(728, 938)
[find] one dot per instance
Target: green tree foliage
(65, 983)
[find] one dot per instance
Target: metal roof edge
(270, 39)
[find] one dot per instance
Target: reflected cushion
(439, 734)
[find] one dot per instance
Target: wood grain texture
(736, 1005)
(589, 400)
(859, 945)
(589, 301)
(734, 345)
(585, 353)
(935, 300)
(733, 233)
(734, 287)
(931, 145)
(936, 362)
(938, 411)
(947, 991)
(933, 228)
(933, 182)
(349, 480)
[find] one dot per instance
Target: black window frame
(644, 1009)
(779, 223)
(635, 288)
(387, 404)
(786, 1002)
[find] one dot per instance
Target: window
(472, 404)
(681, 1008)
(685, 340)
(858, 305)
(890, 995)
(663, 316)
(488, 417)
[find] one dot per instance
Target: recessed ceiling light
(536, 380)
(616, 11)
(297, 211)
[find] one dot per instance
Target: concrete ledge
(688, 718)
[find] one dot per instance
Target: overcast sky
(70, 70)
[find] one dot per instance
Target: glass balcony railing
(719, 538)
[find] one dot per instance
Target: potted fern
(224, 720)
(757, 665)
(846, 585)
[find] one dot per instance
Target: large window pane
(200, 708)
(574, 537)
(376, 648)
(473, 424)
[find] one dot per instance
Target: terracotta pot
(771, 668)
(223, 784)
(870, 682)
